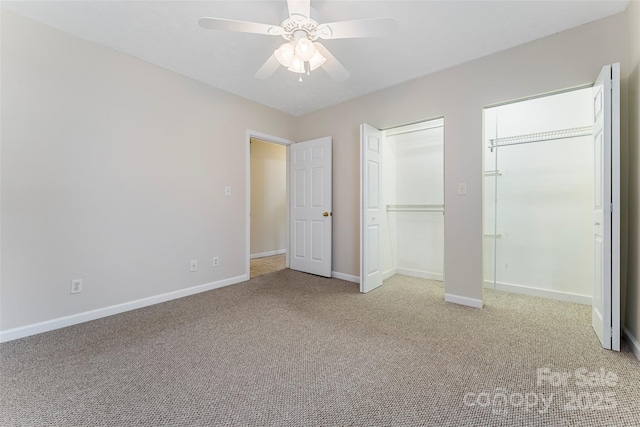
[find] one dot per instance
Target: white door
(311, 215)
(371, 208)
(605, 312)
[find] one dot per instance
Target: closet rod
(415, 208)
(540, 137)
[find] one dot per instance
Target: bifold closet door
(605, 312)
(371, 208)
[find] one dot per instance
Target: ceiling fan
(302, 53)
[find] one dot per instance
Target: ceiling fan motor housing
(297, 26)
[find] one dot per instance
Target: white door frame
(616, 201)
(274, 140)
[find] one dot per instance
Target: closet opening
(538, 197)
(402, 222)
(552, 199)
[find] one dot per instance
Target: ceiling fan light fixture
(316, 60)
(297, 65)
(285, 54)
(305, 49)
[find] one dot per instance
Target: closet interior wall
(413, 192)
(538, 223)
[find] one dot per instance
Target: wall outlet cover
(76, 286)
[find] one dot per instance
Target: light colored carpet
(265, 265)
(291, 349)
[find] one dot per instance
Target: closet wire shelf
(415, 208)
(541, 136)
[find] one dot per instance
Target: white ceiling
(432, 35)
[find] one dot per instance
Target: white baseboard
(470, 302)
(74, 319)
(389, 273)
(347, 277)
(269, 253)
(632, 341)
(420, 274)
(538, 292)
(413, 273)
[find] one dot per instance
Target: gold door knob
(325, 214)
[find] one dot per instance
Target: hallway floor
(269, 264)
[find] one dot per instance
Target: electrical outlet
(216, 261)
(76, 286)
(227, 190)
(194, 265)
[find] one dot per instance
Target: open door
(605, 312)
(311, 217)
(371, 208)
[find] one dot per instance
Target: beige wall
(113, 171)
(563, 60)
(268, 197)
(632, 320)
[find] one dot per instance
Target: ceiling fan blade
(299, 8)
(268, 68)
(332, 66)
(374, 27)
(240, 26)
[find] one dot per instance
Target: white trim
(74, 319)
(389, 273)
(415, 127)
(269, 253)
(413, 273)
(420, 274)
(470, 302)
(539, 292)
(274, 140)
(632, 341)
(347, 277)
(616, 321)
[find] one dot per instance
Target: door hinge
(610, 207)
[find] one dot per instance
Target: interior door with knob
(311, 216)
